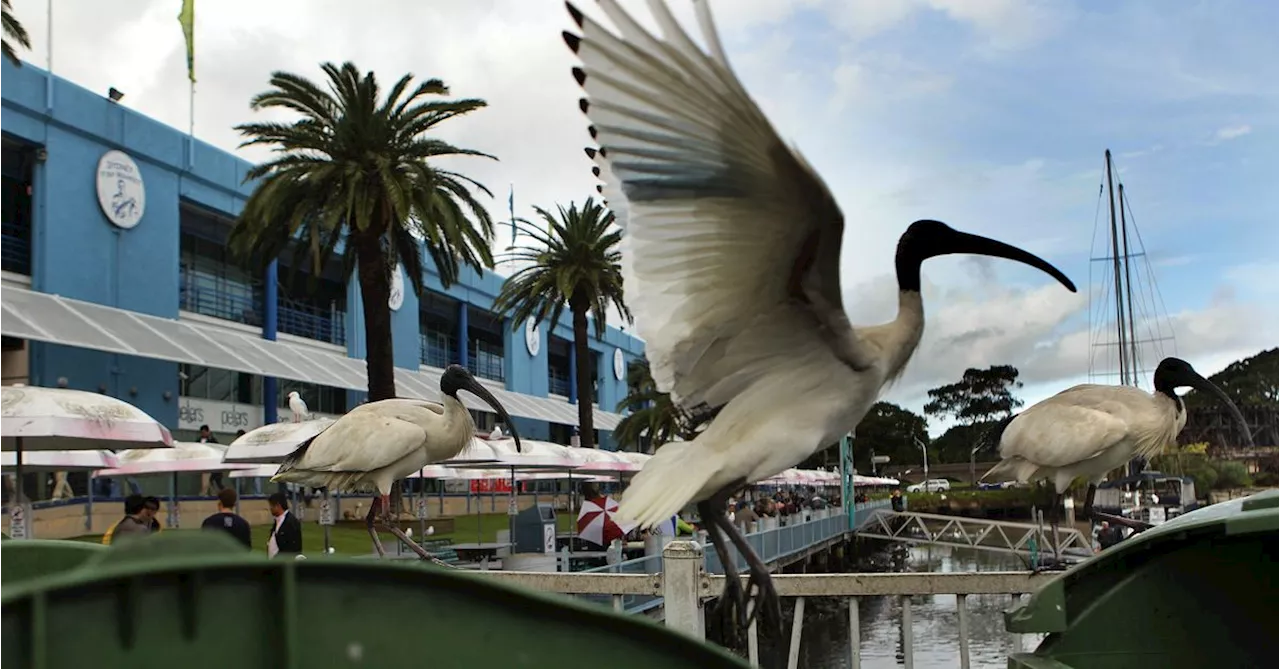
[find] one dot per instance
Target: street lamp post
(925, 452)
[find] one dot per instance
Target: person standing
(286, 532)
(227, 520)
(136, 522)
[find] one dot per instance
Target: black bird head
(1174, 373)
(926, 239)
(456, 377)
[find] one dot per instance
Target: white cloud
(1231, 132)
(840, 114)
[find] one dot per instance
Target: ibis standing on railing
(731, 260)
(1089, 430)
(378, 443)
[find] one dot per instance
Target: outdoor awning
(54, 319)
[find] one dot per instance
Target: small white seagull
(298, 407)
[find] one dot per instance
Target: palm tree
(574, 262)
(354, 172)
(653, 418)
(13, 30)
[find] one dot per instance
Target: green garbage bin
(22, 560)
(1197, 591)
(197, 599)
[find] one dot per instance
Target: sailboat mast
(1134, 373)
(1115, 264)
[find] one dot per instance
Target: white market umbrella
(271, 444)
(60, 461)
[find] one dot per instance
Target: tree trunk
(375, 291)
(586, 420)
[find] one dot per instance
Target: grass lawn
(354, 540)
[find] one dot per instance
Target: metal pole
(681, 581)
(855, 636)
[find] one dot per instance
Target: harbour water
(935, 624)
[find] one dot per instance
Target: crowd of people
(284, 537)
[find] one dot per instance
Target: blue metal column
(464, 330)
(573, 376)
(270, 314)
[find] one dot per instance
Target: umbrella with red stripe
(598, 524)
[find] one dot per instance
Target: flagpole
(48, 84)
(511, 208)
(191, 123)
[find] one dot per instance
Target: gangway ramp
(980, 533)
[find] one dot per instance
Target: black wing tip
(595, 170)
(592, 130)
(591, 153)
(580, 75)
(572, 40)
(575, 13)
(600, 189)
(583, 105)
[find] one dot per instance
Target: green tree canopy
(573, 262)
(653, 419)
(1250, 382)
(891, 430)
(13, 30)
(354, 173)
(981, 395)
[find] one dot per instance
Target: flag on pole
(511, 207)
(187, 18)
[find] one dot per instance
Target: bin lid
(1045, 611)
(22, 560)
(164, 599)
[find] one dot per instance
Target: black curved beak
(1198, 382)
(964, 242)
(472, 386)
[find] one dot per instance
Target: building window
(315, 309)
(18, 188)
(224, 385)
(438, 330)
(558, 377)
(211, 282)
(485, 345)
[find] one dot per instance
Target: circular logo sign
(121, 194)
(532, 338)
(619, 364)
(396, 299)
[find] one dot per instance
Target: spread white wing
(722, 220)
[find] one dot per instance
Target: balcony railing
(16, 245)
(305, 320)
(558, 381)
(486, 363)
(219, 298)
(437, 349)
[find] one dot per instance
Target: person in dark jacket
(286, 532)
(227, 520)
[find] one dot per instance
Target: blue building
(117, 279)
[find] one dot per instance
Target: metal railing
(15, 246)
(978, 533)
(437, 349)
(305, 320)
(558, 381)
(774, 544)
(229, 300)
(684, 585)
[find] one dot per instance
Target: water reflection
(934, 624)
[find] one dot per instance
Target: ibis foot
(418, 549)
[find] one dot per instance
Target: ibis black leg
(369, 520)
(733, 600)
(767, 598)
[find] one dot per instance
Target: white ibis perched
(378, 443)
(298, 407)
(730, 257)
(1088, 430)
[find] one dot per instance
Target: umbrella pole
(88, 507)
(420, 506)
(18, 492)
(512, 507)
(173, 501)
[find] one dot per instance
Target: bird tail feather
(1021, 469)
(670, 479)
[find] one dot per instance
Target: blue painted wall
(77, 253)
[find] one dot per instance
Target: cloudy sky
(991, 115)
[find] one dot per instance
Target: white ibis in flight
(298, 407)
(1088, 430)
(731, 259)
(378, 443)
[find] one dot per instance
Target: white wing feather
(363, 441)
(716, 209)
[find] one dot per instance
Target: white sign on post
(173, 515)
(326, 512)
(512, 507)
(421, 508)
(18, 521)
(549, 538)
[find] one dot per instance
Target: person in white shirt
(286, 531)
